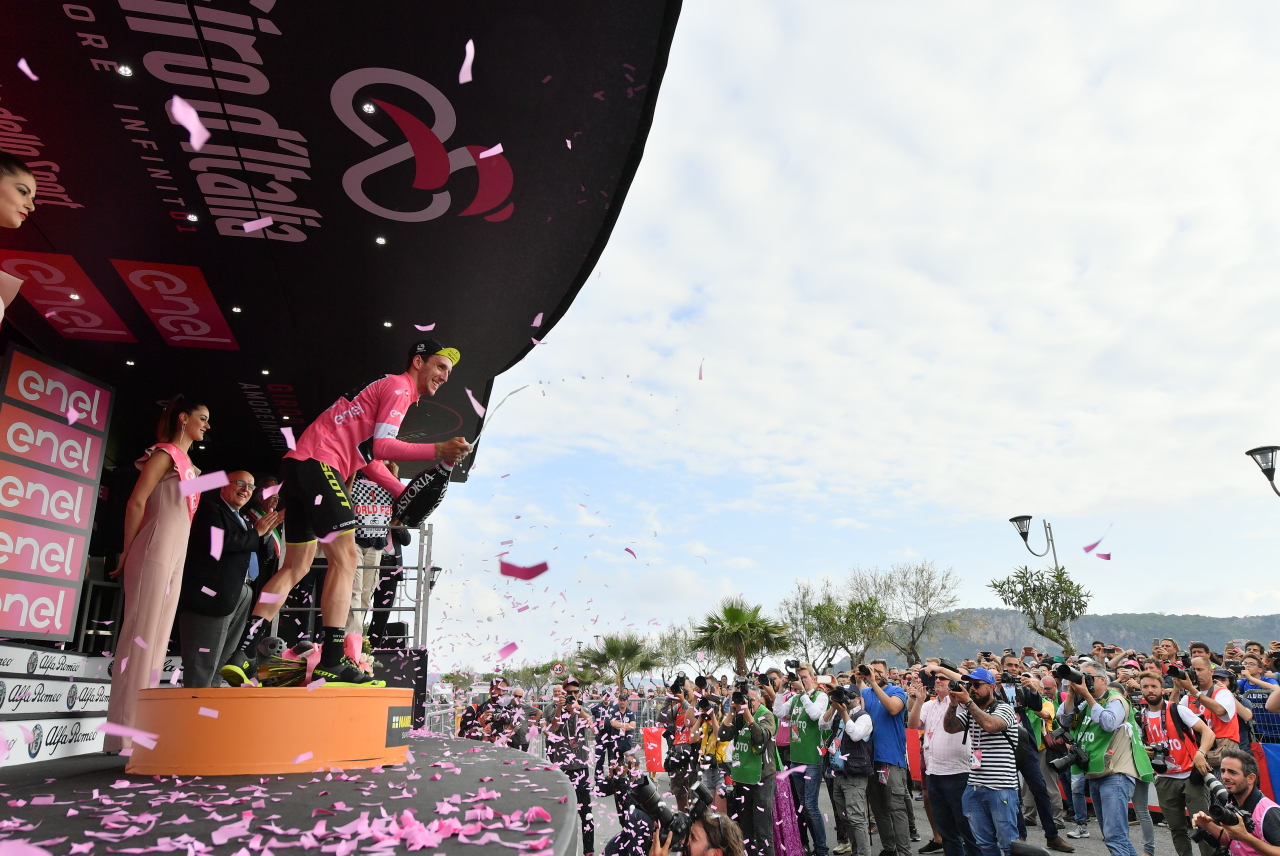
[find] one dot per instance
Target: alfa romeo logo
(424, 144)
(33, 663)
(37, 738)
(71, 696)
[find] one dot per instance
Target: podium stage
(298, 811)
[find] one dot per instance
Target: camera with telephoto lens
(1175, 672)
(740, 690)
(676, 823)
(839, 695)
(1159, 756)
(864, 670)
(1008, 677)
(1220, 807)
(1065, 673)
(792, 666)
(1073, 756)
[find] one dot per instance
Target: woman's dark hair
(169, 422)
(10, 165)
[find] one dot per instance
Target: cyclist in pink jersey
(357, 433)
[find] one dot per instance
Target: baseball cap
(431, 347)
(570, 681)
(982, 675)
(1222, 673)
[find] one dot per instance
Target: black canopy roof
(345, 123)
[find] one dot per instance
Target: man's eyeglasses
(240, 483)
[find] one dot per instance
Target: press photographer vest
(1239, 848)
(1183, 742)
(1118, 751)
(747, 763)
(805, 735)
(1219, 727)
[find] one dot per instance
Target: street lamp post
(1023, 524)
(1265, 458)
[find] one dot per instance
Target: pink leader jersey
(359, 431)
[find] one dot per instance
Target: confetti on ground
(209, 712)
(255, 225)
(488, 153)
(200, 484)
(288, 436)
(26, 69)
(464, 74)
(188, 118)
(215, 541)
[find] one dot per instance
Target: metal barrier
(1266, 725)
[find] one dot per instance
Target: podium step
(236, 731)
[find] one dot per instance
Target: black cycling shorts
(315, 501)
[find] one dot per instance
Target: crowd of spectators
(1007, 744)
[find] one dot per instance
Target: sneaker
(1081, 831)
(841, 848)
(915, 836)
(1059, 845)
(931, 847)
(239, 669)
(345, 674)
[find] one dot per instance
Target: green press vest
(747, 763)
(1103, 746)
(805, 735)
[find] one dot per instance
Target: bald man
(216, 595)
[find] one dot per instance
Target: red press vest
(1220, 727)
(1239, 848)
(1182, 754)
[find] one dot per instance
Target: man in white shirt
(852, 764)
(947, 759)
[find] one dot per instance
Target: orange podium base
(270, 730)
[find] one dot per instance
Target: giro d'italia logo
(33, 663)
(37, 740)
(423, 143)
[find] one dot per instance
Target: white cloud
(943, 264)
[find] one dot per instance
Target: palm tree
(739, 630)
(621, 657)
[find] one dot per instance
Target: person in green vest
(1101, 722)
(752, 727)
(805, 712)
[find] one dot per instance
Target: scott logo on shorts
(433, 164)
(336, 484)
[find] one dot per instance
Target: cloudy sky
(941, 264)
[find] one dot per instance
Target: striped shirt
(994, 763)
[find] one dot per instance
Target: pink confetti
(188, 118)
(215, 542)
(329, 539)
(1104, 556)
(211, 593)
(537, 320)
(704, 359)
(142, 738)
(632, 552)
(26, 69)
(287, 431)
(268, 492)
(701, 655)
(22, 848)
(425, 327)
(504, 652)
(464, 74)
(305, 756)
(73, 415)
(568, 143)
(200, 484)
(536, 341)
(268, 597)
(477, 405)
(318, 498)
(141, 643)
(522, 573)
(255, 225)
(1090, 548)
(488, 153)
(209, 712)
(316, 684)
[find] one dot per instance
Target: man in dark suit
(216, 594)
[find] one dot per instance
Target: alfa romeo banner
(375, 172)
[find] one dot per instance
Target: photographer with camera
(852, 757)
(489, 719)
(1019, 689)
(569, 731)
(681, 763)
(1247, 822)
(709, 835)
(805, 711)
(887, 790)
(1107, 748)
(945, 756)
(1176, 740)
(1209, 696)
(990, 727)
(711, 752)
(785, 689)
(751, 728)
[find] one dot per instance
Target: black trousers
(383, 597)
(580, 777)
